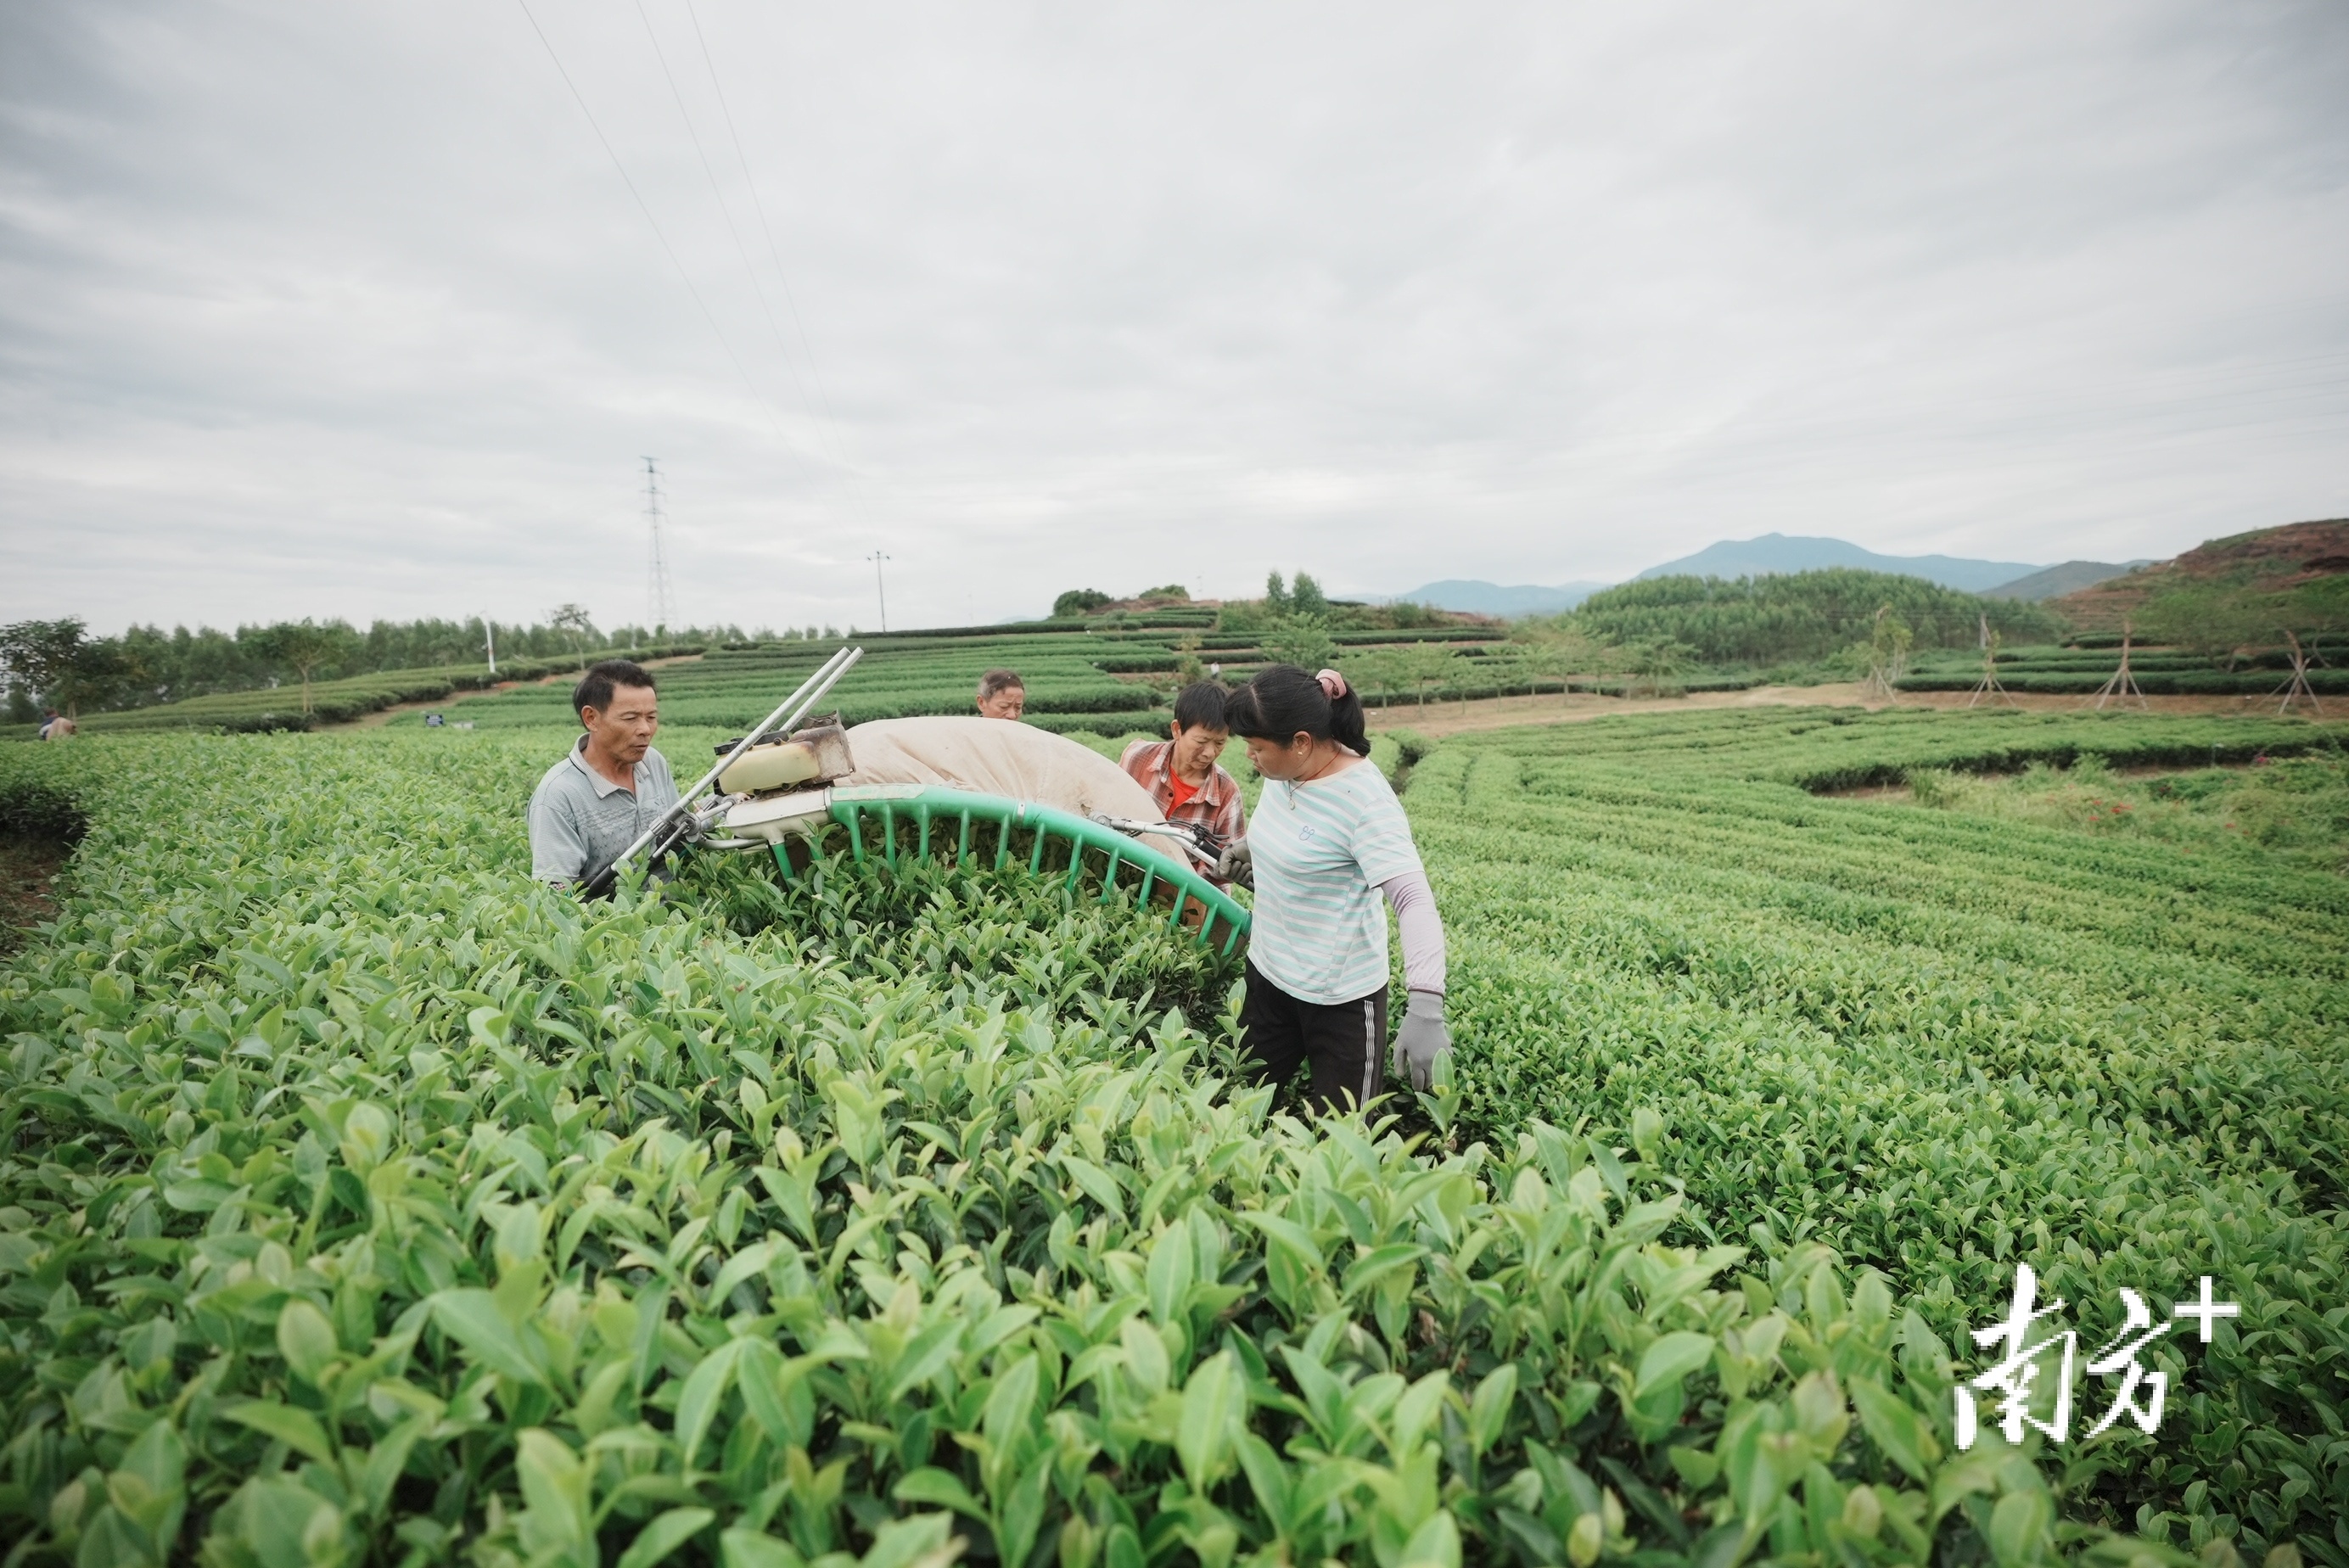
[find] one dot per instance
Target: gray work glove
(1236, 864)
(1422, 1039)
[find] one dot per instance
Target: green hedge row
(2153, 683)
(333, 702)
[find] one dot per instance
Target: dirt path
(28, 868)
(1442, 719)
(384, 716)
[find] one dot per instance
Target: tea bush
(1058, 944)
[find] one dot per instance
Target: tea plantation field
(1101, 678)
(1942, 1043)
(362, 1203)
(2159, 671)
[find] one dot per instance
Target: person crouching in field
(1182, 774)
(1002, 695)
(1328, 838)
(611, 787)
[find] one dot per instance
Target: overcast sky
(344, 309)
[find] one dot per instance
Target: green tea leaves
(1670, 1360)
(306, 1338)
(1895, 1430)
(696, 1405)
(1488, 1412)
(297, 1429)
(1212, 1402)
(471, 1318)
(667, 1531)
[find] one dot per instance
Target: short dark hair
(996, 681)
(1201, 702)
(1282, 701)
(594, 687)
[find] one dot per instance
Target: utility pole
(489, 642)
(880, 589)
(660, 607)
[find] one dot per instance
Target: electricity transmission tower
(880, 589)
(660, 605)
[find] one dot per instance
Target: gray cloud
(340, 310)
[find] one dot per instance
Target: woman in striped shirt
(1328, 836)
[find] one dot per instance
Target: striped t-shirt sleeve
(1381, 840)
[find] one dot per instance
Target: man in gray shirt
(612, 786)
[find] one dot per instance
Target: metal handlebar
(797, 705)
(1199, 841)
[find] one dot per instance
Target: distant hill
(2069, 578)
(1478, 598)
(1781, 553)
(2269, 559)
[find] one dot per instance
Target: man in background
(55, 726)
(1181, 773)
(611, 786)
(1001, 694)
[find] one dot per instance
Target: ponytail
(1282, 700)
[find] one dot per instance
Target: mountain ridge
(1767, 556)
(2065, 577)
(1775, 554)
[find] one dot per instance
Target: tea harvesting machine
(903, 788)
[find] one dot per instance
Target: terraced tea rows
(2159, 672)
(898, 676)
(1109, 679)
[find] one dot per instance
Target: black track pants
(1342, 1040)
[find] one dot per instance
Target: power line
(724, 210)
(821, 420)
(683, 276)
(822, 402)
(774, 253)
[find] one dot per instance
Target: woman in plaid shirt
(1182, 774)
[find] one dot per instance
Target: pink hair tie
(1333, 685)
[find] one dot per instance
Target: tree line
(58, 664)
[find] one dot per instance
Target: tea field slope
(1942, 1043)
(361, 1202)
